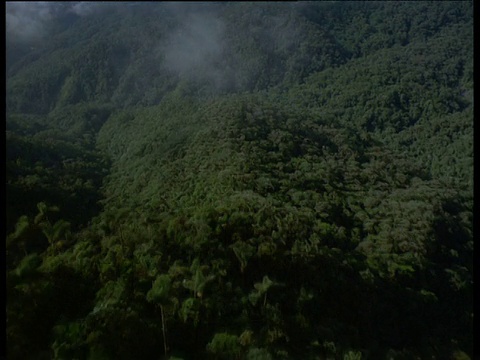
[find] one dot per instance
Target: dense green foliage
(297, 183)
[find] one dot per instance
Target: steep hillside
(240, 180)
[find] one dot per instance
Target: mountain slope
(246, 181)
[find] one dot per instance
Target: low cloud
(26, 20)
(29, 21)
(195, 44)
(194, 50)
(84, 8)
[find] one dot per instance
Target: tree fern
(21, 227)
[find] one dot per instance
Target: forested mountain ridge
(241, 180)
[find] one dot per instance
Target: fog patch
(25, 21)
(84, 8)
(29, 22)
(194, 50)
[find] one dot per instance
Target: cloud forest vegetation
(268, 180)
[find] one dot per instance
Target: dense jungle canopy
(239, 180)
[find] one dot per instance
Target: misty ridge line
(202, 48)
(196, 48)
(29, 21)
(199, 48)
